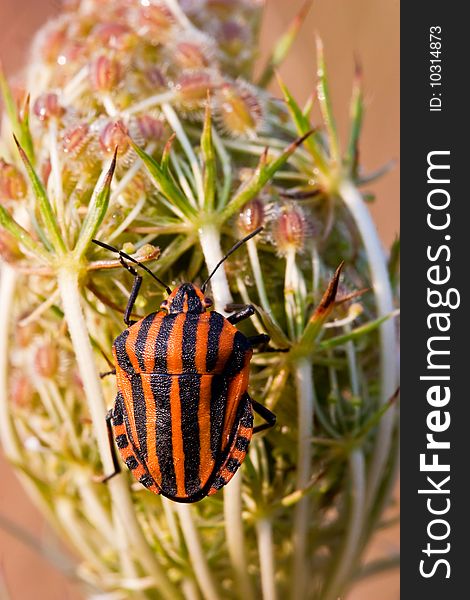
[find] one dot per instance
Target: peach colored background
(368, 29)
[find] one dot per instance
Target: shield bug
(182, 419)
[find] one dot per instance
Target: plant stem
(388, 342)
(355, 521)
(8, 437)
(196, 553)
(209, 236)
(120, 497)
(303, 372)
(264, 530)
(235, 538)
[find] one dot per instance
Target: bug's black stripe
(142, 338)
(216, 323)
(237, 357)
(140, 413)
(242, 443)
(118, 418)
(189, 387)
(121, 352)
(188, 350)
(219, 390)
(161, 343)
(161, 388)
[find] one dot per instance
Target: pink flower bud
(105, 73)
(155, 77)
(12, 183)
(46, 361)
(114, 134)
(192, 88)
(21, 390)
(114, 35)
(47, 107)
(151, 129)
(75, 138)
(190, 55)
(53, 45)
(252, 216)
(156, 20)
(290, 230)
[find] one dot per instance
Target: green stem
(196, 553)
(303, 372)
(264, 530)
(388, 341)
(356, 520)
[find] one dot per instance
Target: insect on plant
(183, 420)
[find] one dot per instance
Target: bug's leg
(107, 373)
(238, 448)
(134, 292)
(240, 315)
(265, 414)
(259, 340)
(112, 447)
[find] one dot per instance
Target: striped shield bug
(182, 419)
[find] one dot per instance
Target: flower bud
(151, 129)
(114, 35)
(105, 73)
(155, 77)
(192, 88)
(21, 390)
(190, 55)
(47, 107)
(75, 138)
(251, 217)
(53, 45)
(46, 361)
(12, 183)
(113, 134)
(290, 230)
(238, 109)
(156, 20)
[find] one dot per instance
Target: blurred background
(366, 29)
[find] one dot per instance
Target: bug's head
(186, 298)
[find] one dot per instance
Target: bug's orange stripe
(225, 346)
(201, 343)
(174, 361)
(130, 346)
(177, 437)
(152, 459)
(206, 462)
(125, 387)
(237, 387)
(149, 351)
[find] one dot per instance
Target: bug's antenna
(133, 260)
(231, 251)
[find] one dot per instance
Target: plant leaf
(208, 155)
(163, 181)
(20, 127)
(356, 115)
(264, 172)
(44, 205)
(97, 208)
(324, 98)
(284, 44)
(355, 334)
(21, 235)
(303, 125)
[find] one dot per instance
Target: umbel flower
(141, 126)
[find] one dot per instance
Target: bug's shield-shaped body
(182, 418)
